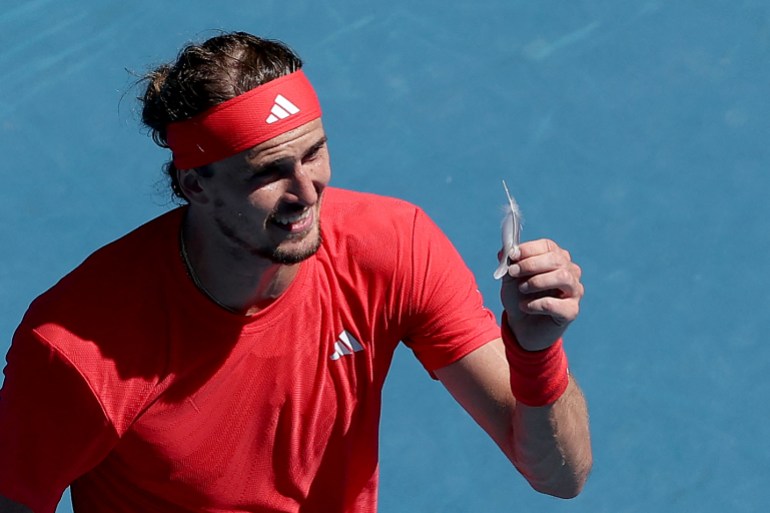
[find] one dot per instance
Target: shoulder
(372, 237)
(340, 205)
(372, 219)
(367, 229)
(113, 269)
(103, 306)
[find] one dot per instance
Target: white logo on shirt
(346, 344)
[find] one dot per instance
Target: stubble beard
(274, 254)
(285, 256)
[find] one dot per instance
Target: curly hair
(205, 75)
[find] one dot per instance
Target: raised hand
(541, 293)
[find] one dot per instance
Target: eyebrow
(274, 164)
(317, 146)
(253, 153)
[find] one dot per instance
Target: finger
(539, 264)
(565, 282)
(538, 247)
(562, 311)
(513, 254)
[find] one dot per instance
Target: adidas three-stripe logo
(345, 344)
(282, 109)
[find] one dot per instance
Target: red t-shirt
(126, 382)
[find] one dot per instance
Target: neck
(237, 281)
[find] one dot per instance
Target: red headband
(243, 122)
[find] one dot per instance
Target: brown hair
(206, 75)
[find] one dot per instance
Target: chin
(288, 256)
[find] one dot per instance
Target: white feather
(510, 231)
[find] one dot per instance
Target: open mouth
(296, 222)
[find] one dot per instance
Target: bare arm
(549, 445)
(8, 506)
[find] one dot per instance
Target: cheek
(266, 196)
(326, 176)
(264, 200)
(324, 171)
(268, 190)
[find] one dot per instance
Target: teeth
(293, 218)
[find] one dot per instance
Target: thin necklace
(194, 276)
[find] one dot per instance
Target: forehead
(292, 143)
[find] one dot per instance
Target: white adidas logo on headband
(282, 109)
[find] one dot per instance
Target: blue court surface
(634, 133)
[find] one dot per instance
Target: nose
(304, 186)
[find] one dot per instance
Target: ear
(190, 181)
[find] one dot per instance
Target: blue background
(633, 133)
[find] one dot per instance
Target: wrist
(538, 378)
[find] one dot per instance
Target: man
(230, 354)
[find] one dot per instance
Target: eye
(314, 152)
(278, 167)
(311, 155)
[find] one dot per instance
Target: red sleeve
(52, 427)
(447, 316)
